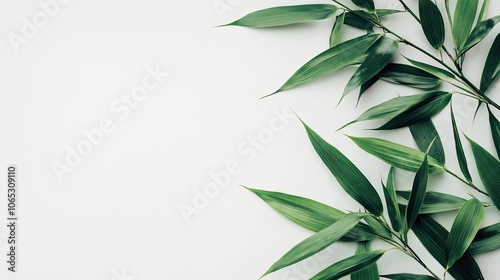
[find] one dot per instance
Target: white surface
(117, 213)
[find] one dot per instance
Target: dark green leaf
(438, 72)
(487, 239)
(463, 20)
(317, 242)
(424, 133)
(347, 174)
(435, 202)
(432, 23)
(338, 26)
(465, 226)
(364, 87)
(396, 155)
(417, 194)
(491, 66)
(409, 76)
(408, 276)
(462, 160)
(370, 272)
(349, 265)
(311, 214)
(488, 168)
(479, 33)
(378, 228)
(495, 131)
(392, 200)
(356, 18)
(365, 4)
(433, 236)
(286, 15)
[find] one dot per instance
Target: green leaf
(484, 10)
(495, 131)
(417, 194)
(491, 66)
(488, 168)
(364, 87)
(438, 72)
(432, 23)
(378, 228)
(317, 242)
(435, 202)
(286, 15)
(379, 55)
(479, 33)
(487, 239)
(331, 60)
(424, 133)
(463, 20)
(434, 236)
(356, 18)
(462, 160)
(408, 75)
(338, 26)
(392, 200)
(365, 4)
(311, 214)
(349, 265)
(464, 229)
(370, 272)
(396, 155)
(347, 174)
(407, 276)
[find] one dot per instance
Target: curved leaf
(479, 33)
(487, 239)
(408, 75)
(356, 18)
(417, 194)
(349, 265)
(465, 226)
(484, 10)
(378, 228)
(491, 66)
(392, 200)
(424, 133)
(370, 272)
(433, 70)
(462, 160)
(432, 23)
(463, 20)
(495, 131)
(338, 26)
(286, 15)
(435, 202)
(365, 4)
(408, 276)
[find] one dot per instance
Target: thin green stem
(470, 184)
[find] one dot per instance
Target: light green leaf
(484, 10)
(435, 202)
(396, 155)
(379, 55)
(331, 60)
(438, 72)
(286, 15)
(317, 242)
(462, 160)
(424, 133)
(408, 75)
(338, 26)
(378, 228)
(465, 226)
(349, 265)
(491, 66)
(495, 131)
(463, 20)
(365, 4)
(488, 168)
(370, 272)
(311, 214)
(408, 276)
(487, 239)
(347, 174)
(434, 236)
(391, 201)
(432, 23)
(417, 194)
(479, 33)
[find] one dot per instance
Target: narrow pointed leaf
(487, 239)
(465, 227)
(488, 168)
(424, 133)
(408, 75)
(435, 202)
(434, 236)
(495, 131)
(379, 55)
(417, 194)
(392, 200)
(331, 60)
(479, 33)
(378, 228)
(365, 4)
(311, 214)
(408, 276)
(349, 265)
(356, 18)
(347, 174)
(463, 20)
(370, 272)
(484, 10)
(364, 87)
(396, 155)
(317, 242)
(462, 160)
(432, 23)
(286, 15)
(338, 26)
(491, 66)
(433, 70)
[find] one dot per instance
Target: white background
(116, 215)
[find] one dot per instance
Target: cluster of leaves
(372, 54)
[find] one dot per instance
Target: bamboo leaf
(417, 194)
(356, 18)
(370, 272)
(396, 155)
(438, 72)
(463, 20)
(434, 236)
(408, 276)
(479, 33)
(338, 26)
(495, 131)
(487, 239)
(424, 133)
(488, 168)
(347, 174)
(349, 265)
(286, 15)
(432, 23)
(365, 4)
(464, 229)
(435, 202)
(331, 60)
(408, 75)
(491, 66)
(377, 227)
(462, 160)
(364, 87)
(317, 242)
(379, 55)
(392, 200)
(484, 10)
